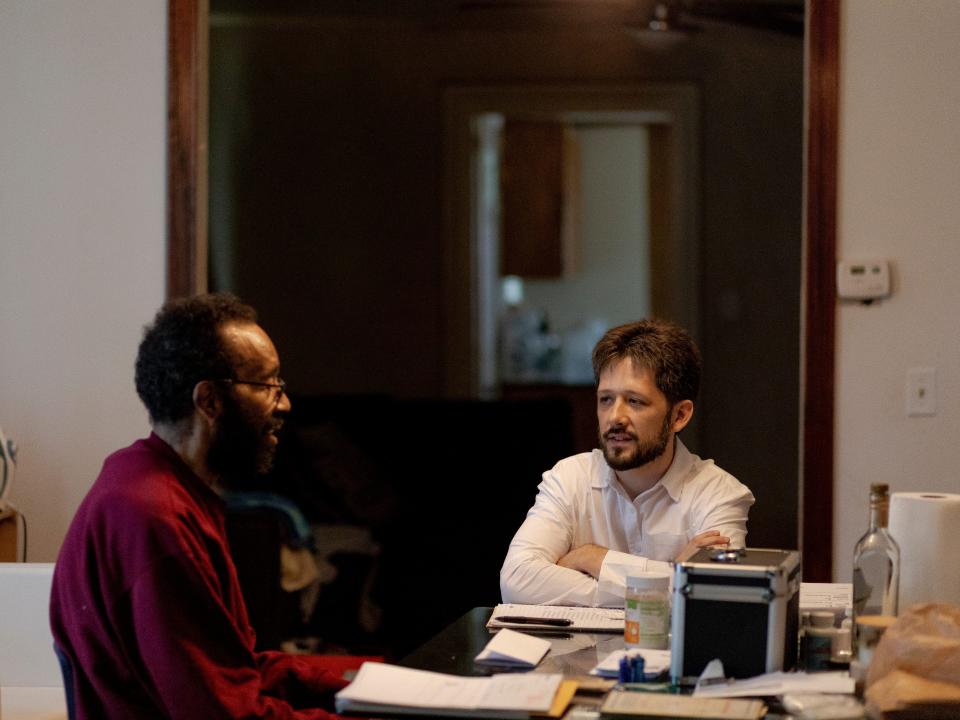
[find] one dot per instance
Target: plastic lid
(648, 581)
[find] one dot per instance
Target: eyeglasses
(279, 386)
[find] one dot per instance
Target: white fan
(8, 453)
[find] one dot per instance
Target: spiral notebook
(545, 618)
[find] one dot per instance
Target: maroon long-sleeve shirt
(147, 606)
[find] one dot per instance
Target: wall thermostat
(863, 280)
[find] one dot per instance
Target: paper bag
(917, 662)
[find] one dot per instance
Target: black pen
(559, 622)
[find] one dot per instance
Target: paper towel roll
(926, 526)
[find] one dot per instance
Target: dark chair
(67, 669)
(406, 489)
(258, 524)
(255, 535)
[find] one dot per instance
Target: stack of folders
(385, 689)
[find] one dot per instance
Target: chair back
(66, 669)
(27, 658)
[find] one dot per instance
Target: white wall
(612, 280)
(82, 207)
(899, 198)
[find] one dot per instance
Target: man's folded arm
(728, 515)
(531, 573)
(531, 576)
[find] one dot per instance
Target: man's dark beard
(239, 448)
(645, 452)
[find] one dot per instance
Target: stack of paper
(620, 704)
(778, 683)
(382, 688)
(557, 618)
(513, 649)
(830, 597)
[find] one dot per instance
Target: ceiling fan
(679, 17)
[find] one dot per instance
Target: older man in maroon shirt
(145, 603)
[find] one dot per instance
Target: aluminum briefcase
(741, 606)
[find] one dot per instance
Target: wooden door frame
(818, 312)
(187, 94)
(668, 104)
(187, 218)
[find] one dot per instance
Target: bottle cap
(648, 581)
(822, 619)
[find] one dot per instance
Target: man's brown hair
(665, 349)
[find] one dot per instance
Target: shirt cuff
(612, 583)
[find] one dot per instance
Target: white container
(818, 641)
(647, 611)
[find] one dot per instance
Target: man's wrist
(587, 559)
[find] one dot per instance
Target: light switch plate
(921, 391)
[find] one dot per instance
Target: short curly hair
(667, 350)
(182, 347)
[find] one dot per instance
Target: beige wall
(81, 243)
(612, 280)
(899, 186)
(82, 183)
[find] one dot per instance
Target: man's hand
(710, 538)
(586, 558)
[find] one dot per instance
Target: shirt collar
(672, 480)
(183, 472)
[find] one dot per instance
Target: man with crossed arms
(642, 501)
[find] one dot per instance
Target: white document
(778, 683)
(826, 596)
(654, 662)
(582, 619)
(379, 686)
(532, 692)
(509, 647)
(650, 705)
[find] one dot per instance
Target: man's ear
(682, 414)
(207, 400)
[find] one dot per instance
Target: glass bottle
(876, 561)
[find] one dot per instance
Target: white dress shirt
(581, 501)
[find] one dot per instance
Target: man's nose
(283, 404)
(618, 413)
